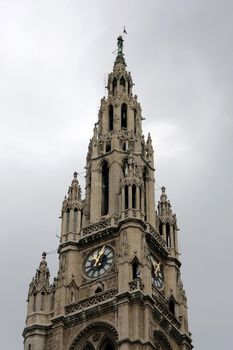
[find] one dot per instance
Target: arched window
(67, 220)
(145, 192)
(126, 197)
(124, 116)
(168, 236)
(75, 219)
(134, 196)
(114, 85)
(171, 306)
(110, 117)
(135, 120)
(135, 269)
(122, 81)
(105, 188)
(34, 301)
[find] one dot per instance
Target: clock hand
(99, 256)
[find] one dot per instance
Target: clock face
(98, 262)
(157, 274)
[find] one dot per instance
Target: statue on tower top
(120, 41)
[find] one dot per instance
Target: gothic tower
(118, 284)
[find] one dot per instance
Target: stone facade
(119, 284)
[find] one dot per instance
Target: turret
(72, 211)
(167, 223)
(39, 306)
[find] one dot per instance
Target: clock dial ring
(98, 262)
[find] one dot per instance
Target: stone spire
(72, 209)
(41, 278)
(167, 222)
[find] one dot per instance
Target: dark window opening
(107, 346)
(128, 87)
(134, 196)
(114, 85)
(160, 228)
(168, 236)
(75, 219)
(135, 268)
(52, 301)
(145, 190)
(135, 121)
(110, 117)
(34, 302)
(67, 220)
(108, 146)
(171, 306)
(105, 188)
(126, 198)
(122, 81)
(124, 116)
(29, 347)
(124, 146)
(98, 290)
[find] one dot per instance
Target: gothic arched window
(122, 81)
(67, 220)
(75, 219)
(114, 85)
(134, 196)
(145, 190)
(168, 236)
(105, 188)
(171, 306)
(110, 117)
(124, 116)
(126, 197)
(135, 268)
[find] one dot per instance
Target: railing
(99, 226)
(93, 300)
(136, 284)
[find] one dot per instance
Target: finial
(75, 175)
(44, 255)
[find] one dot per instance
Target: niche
(124, 116)
(135, 269)
(168, 236)
(134, 196)
(126, 197)
(171, 306)
(114, 85)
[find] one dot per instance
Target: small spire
(75, 175)
(74, 192)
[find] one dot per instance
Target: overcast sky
(54, 59)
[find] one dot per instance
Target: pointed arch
(83, 337)
(172, 305)
(135, 268)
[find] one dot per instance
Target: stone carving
(136, 284)
(95, 299)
